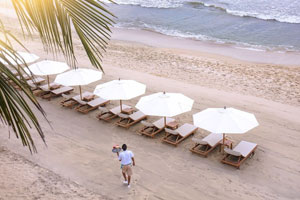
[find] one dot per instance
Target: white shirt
(125, 157)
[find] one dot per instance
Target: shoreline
(78, 153)
(207, 48)
(210, 49)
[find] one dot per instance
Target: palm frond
(54, 20)
(14, 109)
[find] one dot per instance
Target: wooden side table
(89, 98)
(228, 143)
(127, 111)
(172, 125)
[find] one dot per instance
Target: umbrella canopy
(47, 67)
(225, 120)
(120, 89)
(78, 77)
(165, 104)
(27, 57)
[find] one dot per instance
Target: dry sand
(78, 160)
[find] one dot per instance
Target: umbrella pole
(165, 121)
(121, 105)
(223, 143)
(48, 81)
(80, 92)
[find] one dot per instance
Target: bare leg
(124, 175)
(129, 180)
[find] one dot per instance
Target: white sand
(79, 146)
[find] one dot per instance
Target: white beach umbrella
(47, 68)
(225, 120)
(165, 104)
(120, 90)
(27, 57)
(78, 77)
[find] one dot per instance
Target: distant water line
(220, 21)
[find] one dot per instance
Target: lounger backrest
(137, 115)
(199, 141)
(147, 124)
(103, 110)
(14, 71)
(62, 90)
(97, 102)
(76, 98)
(117, 110)
(161, 123)
(186, 129)
(65, 96)
(245, 148)
(46, 88)
(232, 152)
(213, 138)
(122, 115)
(173, 132)
(36, 80)
(81, 102)
(32, 85)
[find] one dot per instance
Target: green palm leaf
(54, 20)
(14, 109)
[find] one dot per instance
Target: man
(126, 158)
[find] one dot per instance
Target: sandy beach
(77, 162)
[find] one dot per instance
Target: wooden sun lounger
(108, 115)
(72, 101)
(36, 81)
(239, 154)
(25, 76)
(92, 105)
(206, 145)
(14, 71)
(127, 121)
(58, 92)
(151, 129)
(176, 136)
(44, 89)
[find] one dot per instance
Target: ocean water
(256, 24)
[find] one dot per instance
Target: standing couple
(126, 158)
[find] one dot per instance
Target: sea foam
(287, 11)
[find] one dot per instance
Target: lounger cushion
(32, 85)
(186, 129)
(66, 96)
(245, 148)
(173, 132)
(147, 124)
(213, 138)
(117, 110)
(232, 152)
(46, 88)
(161, 122)
(124, 116)
(81, 102)
(97, 102)
(62, 90)
(78, 98)
(199, 141)
(36, 80)
(137, 115)
(103, 110)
